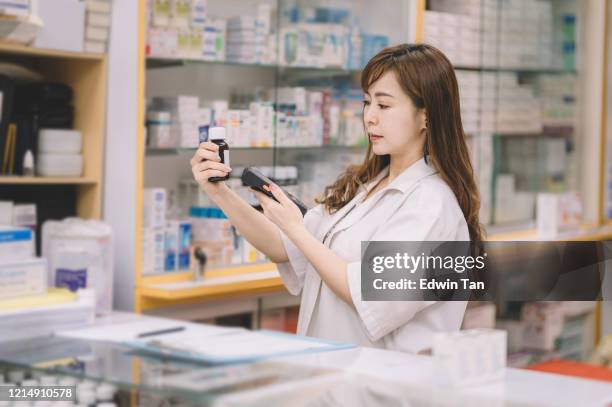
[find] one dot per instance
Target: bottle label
(226, 158)
(71, 279)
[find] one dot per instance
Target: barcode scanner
(253, 178)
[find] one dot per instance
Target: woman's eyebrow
(379, 94)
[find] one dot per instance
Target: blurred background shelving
(522, 77)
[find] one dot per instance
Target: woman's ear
(422, 116)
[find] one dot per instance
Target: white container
(60, 141)
(64, 25)
(469, 357)
(159, 124)
(60, 165)
(80, 255)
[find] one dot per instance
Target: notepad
(234, 347)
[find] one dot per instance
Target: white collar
(415, 172)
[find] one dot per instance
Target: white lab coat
(416, 206)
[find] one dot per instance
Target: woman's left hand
(284, 213)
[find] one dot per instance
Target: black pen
(162, 331)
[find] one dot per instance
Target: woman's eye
(366, 103)
(383, 107)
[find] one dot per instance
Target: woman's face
(393, 123)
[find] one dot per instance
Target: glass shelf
(129, 370)
(150, 151)
(527, 70)
(155, 62)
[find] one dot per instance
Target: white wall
(120, 160)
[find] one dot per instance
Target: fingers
(205, 175)
(206, 151)
(211, 165)
(207, 145)
(279, 194)
(265, 201)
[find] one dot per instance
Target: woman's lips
(375, 137)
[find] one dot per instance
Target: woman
(416, 183)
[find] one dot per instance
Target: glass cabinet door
(281, 76)
(517, 70)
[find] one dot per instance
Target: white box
(16, 243)
(557, 213)
(6, 213)
(95, 47)
(180, 13)
(98, 19)
(96, 33)
(469, 357)
(154, 208)
(152, 251)
(98, 6)
(25, 277)
(542, 324)
(64, 24)
(24, 215)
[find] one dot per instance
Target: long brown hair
(428, 78)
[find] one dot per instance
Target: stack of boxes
(473, 32)
(249, 38)
(518, 108)
(469, 91)
(21, 274)
(557, 95)
(185, 118)
(213, 41)
(166, 243)
(153, 227)
(97, 25)
(457, 35)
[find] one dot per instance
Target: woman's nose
(370, 117)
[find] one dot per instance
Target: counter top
(357, 376)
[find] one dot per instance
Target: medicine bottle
(217, 136)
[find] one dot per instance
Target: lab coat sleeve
(424, 216)
(292, 272)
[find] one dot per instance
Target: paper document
(126, 332)
(237, 346)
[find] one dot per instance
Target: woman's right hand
(206, 164)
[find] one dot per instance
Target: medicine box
(64, 25)
(6, 213)
(470, 357)
(16, 243)
(154, 208)
(23, 277)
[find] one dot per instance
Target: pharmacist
(416, 183)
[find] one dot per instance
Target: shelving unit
(155, 293)
(86, 73)
(175, 290)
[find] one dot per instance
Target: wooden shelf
(180, 288)
(47, 180)
(17, 49)
(586, 233)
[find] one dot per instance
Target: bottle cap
(216, 133)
